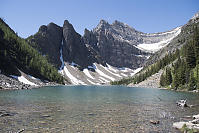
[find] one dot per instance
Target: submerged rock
(4, 113)
(182, 103)
(154, 122)
(20, 131)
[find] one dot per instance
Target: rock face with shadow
(50, 40)
(118, 43)
(75, 50)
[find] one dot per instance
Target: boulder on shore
(193, 124)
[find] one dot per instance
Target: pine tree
(190, 55)
(182, 73)
(197, 76)
(168, 77)
(196, 44)
(175, 82)
(192, 82)
(162, 80)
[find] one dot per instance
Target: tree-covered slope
(16, 54)
(184, 73)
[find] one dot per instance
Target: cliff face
(122, 46)
(63, 44)
(116, 44)
(47, 41)
(74, 48)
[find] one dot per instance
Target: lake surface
(93, 109)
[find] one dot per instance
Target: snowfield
(23, 80)
(86, 72)
(154, 47)
(101, 75)
(73, 79)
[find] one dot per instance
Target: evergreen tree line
(184, 73)
(148, 71)
(16, 53)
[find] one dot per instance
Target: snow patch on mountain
(112, 68)
(124, 75)
(23, 80)
(73, 79)
(154, 47)
(107, 69)
(86, 72)
(104, 80)
(100, 75)
(136, 71)
(103, 74)
(91, 82)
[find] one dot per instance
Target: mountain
(18, 58)
(116, 44)
(63, 44)
(176, 43)
(75, 50)
(174, 66)
(77, 61)
(107, 53)
(49, 39)
(122, 46)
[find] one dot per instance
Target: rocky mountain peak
(53, 29)
(48, 41)
(116, 22)
(117, 25)
(69, 33)
(196, 15)
(195, 18)
(68, 26)
(86, 31)
(102, 26)
(43, 28)
(103, 22)
(51, 24)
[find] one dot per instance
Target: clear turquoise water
(93, 109)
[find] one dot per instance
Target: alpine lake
(93, 109)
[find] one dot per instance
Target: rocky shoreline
(9, 83)
(151, 82)
(189, 125)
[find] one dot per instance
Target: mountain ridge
(174, 66)
(114, 44)
(105, 52)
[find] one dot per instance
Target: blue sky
(26, 16)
